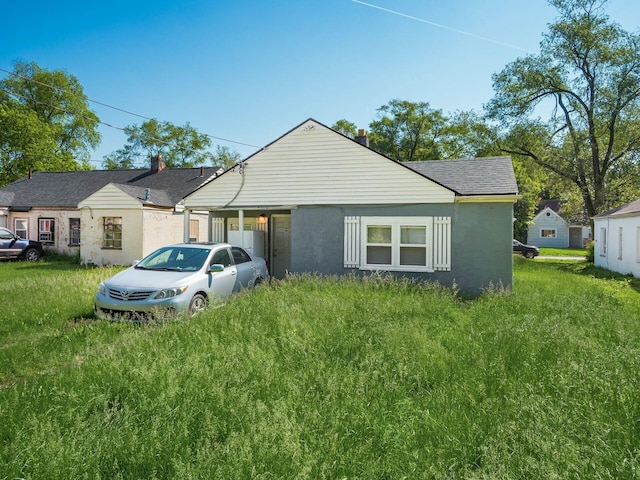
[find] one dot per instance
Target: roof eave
(506, 198)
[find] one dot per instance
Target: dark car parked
(12, 246)
(527, 251)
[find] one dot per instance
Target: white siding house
(617, 239)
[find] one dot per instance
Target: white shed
(617, 239)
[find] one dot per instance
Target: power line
(91, 119)
(58, 89)
(469, 34)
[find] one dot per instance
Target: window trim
(17, 230)
(47, 228)
(72, 222)
(105, 240)
(553, 229)
(396, 224)
(603, 241)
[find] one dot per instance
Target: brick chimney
(362, 138)
(157, 164)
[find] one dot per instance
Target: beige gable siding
(312, 165)
(112, 196)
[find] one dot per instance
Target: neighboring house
(617, 239)
(320, 202)
(105, 216)
(549, 229)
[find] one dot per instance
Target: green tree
(225, 157)
(407, 131)
(181, 147)
(586, 76)
(345, 127)
(469, 135)
(45, 122)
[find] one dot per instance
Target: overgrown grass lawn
(325, 378)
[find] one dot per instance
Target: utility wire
(58, 89)
(469, 34)
(93, 119)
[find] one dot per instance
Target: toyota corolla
(181, 278)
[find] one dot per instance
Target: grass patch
(563, 252)
(325, 378)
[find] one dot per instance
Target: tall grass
(325, 378)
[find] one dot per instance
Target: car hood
(150, 279)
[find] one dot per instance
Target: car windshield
(175, 259)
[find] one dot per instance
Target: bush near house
(325, 378)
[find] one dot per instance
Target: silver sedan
(181, 278)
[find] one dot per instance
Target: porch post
(241, 226)
(209, 226)
(185, 231)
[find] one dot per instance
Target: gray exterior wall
(481, 244)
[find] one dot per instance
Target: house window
(20, 227)
(194, 229)
(74, 231)
(112, 232)
(397, 243)
(46, 228)
(619, 243)
(603, 242)
(548, 233)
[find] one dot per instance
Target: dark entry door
(281, 250)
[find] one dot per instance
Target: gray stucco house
(317, 201)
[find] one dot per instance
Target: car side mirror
(216, 267)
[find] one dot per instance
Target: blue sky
(250, 70)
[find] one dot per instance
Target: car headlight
(170, 292)
(101, 288)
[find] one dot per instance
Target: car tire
(198, 304)
(31, 255)
(528, 255)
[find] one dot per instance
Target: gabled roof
(147, 196)
(548, 212)
(630, 208)
(68, 189)
(471, 176)
(554, 205)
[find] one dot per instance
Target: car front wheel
(528, 255)
(32, 255)
(198, 304)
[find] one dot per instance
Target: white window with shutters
(418, 244)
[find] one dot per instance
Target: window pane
(378, 234)
(379, 255)
(413, 256)
(415, 235)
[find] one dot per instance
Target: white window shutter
(442, 244)
(351, 242)
(217, 229)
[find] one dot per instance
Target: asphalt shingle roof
(626, 209)
(471, 176)
(67, 189)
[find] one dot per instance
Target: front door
(281, 245)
